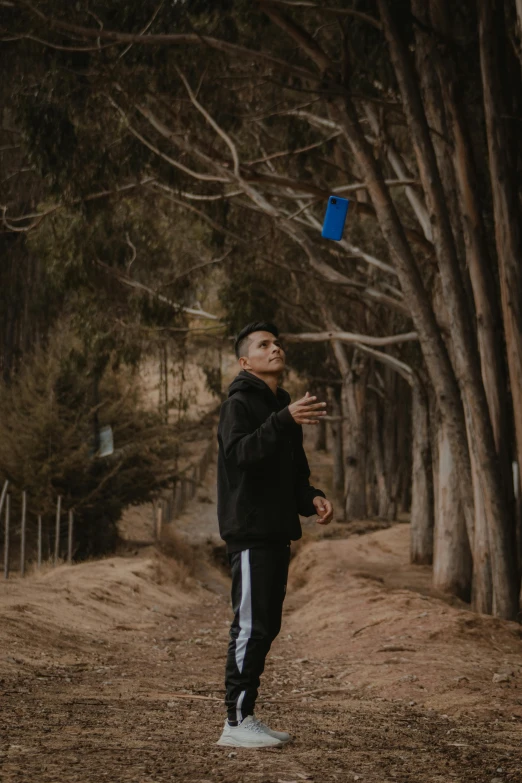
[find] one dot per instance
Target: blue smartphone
(335, 218)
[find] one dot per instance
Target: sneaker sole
(230, 742)
(284, 741)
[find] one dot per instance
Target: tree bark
(422, 511)
(430, 338)
(518, 4)
(451, 551)
(488, 318)
(354, 440)
(377, 451)
(465, 352)
(435, 110)
(337, 440)
(506, 207)
(320, 436)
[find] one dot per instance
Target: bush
(49, 419)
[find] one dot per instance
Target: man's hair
(241, 342)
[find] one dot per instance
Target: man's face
(265, 354)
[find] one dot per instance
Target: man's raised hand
(324, 510)
(307, 410)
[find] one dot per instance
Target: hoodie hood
(249, 383)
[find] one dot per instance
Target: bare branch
(130, 283)
(314, 119)
(156, 329)
(169, 194)
(301, 36)
(157, 151)
(144, 30)
(204, 264)
(350, 339)
(365, 293)
(400, 367)
(181, 39)
(400, 169)
(226, 138)
(37, 217)
(58, 47)
(354, 250)
(391, 183)
(203, 197)
(133, 251)
(286, 153)
(330, 10)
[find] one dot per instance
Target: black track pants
(258, 590)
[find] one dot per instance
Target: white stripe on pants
(245, 610)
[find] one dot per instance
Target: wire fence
(16, 532)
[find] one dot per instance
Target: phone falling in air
(335, 218)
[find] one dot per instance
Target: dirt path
(113, 671)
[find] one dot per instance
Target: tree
(234, 130)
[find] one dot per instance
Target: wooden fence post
(39, 541)
(57, 530)
(6, 537)
(22, 543)
(70, 536)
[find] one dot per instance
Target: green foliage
(48, 418)
(246, 296)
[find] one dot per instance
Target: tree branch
(301, 36)
(180, 39)
(168, 193)
(157, 151)
(226, 138)
(330, 10)
(37, 217)
(141, 287)
(349, 338)
(400, 367)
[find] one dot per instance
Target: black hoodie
(263, 472)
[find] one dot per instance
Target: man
(263, 486)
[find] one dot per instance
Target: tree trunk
(466, 358)
(354, 440)
(435, 110)
(430, 338)
(396, 433)
(336, 430)
(432, 344)
(399, 167)
(375, 428)
(422, 521)
(518, 4)
(320, 435)
(451, 552)
(506, 208)
(482, 586)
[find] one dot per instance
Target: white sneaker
(282, 736)
(248, 734)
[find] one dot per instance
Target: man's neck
(271, 379)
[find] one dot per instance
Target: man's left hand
(324, 510)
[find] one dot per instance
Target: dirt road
(112, 670)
